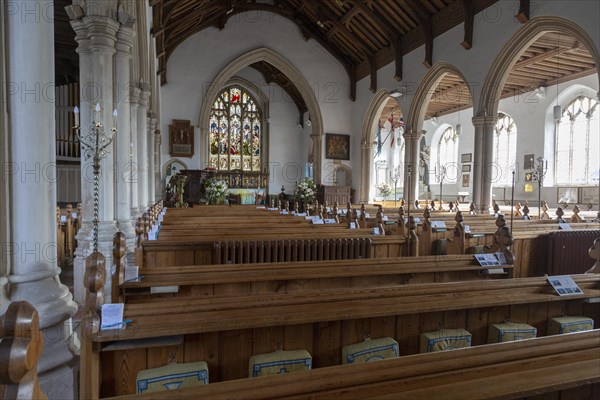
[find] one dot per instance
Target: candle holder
(95, 147)
(537, 174)
(440, 175)
(395, 175)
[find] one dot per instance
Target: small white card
(438, 224)
(164, 210)
(112, 316)
(467, 229)
(284, 212)
(63, 219)
(375, 231)
(491, 259)
(301, 214)
(272, 209)
(565, 227)
(132, 273)
(318, 221)
(352, 225)
(164, 289)
(260, 207)
(74, 215)
(385, 217)
(564, 285)
(329, 221)
(367, 215)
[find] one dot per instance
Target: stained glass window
(235, 131)
(577, 148)
(448, 148)
(505, 149)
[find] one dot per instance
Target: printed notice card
(564, 285)
(112, 316)
(491, 259)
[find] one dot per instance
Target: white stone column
(34, 276)
(483, 159)
(135, 164)
(151, 155)
(366, 155)
(123, 166)
(158, 180)
(317, 153)
(411, 166)
(142, 129)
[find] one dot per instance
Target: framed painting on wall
(567, 195)
(465, 180)
(181, 138)
(337, 147)
(588, 195)
(465, 158)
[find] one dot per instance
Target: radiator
(566, 252)
(244, 252)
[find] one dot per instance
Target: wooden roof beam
(373, 64)
(542, 56)
(394, 37)
(424, 18)
(524, 10)
(469, 12)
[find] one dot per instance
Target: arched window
(505, 149)
(577, 154)
(235, 131)
(448, 148)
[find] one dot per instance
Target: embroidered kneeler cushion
(510, 331)
(568, 324)
(370, 350)
(279, 362)
(444, 339)
(172, 376)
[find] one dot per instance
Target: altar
(248, 196)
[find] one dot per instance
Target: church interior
(252, 199)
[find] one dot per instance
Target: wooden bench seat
(262, 310)
(199, 280)
(504, 370)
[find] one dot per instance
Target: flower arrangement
(215, 191)
(305, 191)
(384, 189)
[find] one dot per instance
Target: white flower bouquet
(215, 191)
(384, 189)
(305, 191)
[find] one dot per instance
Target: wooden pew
(225, 330)
(284, 277)
(21, 344)
(565, 366)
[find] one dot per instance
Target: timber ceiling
(363, 35)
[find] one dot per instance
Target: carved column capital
(483, 120)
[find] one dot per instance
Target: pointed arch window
(577, 144)
(448, 148)
(235, 131)
(505, 149)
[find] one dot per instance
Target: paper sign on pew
(438, 226)
(63, 219)
(261, 207)
(317, 221)
(284, 212)
(565, 227)
(491, 259)
(74, 215)
(132, 273)
(417, 220)
(303, 214)
(112, 316)
(329, 221)
(564, 285)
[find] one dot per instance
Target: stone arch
(367, 139)
(346, 171)
(517, 45)
(286, 67)
(416, 114)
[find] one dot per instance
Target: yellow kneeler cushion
(172, 376)
(279, 362)
(444, 339)
(510, 331)
(370, 350)
(568, 324)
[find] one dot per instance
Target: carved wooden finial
(451, 206)
(496, 207)
(559, 215)
(379, 222)
(401, 223)
(594, 252)
(590, 206)
(518, 210)
(459, 228)
(93, 279)
(402, 203)
(502, 240)
(565, 205)
(335, 212)
(118, 272)
(544, 211)
(526, 211)
(417, 206)
(432, 205)
(575, 218)
(22, 345)
(355, 218)
(472, 209)
(413, 249)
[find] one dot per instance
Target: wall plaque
(181, 138)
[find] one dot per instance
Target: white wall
(195, 63)
(535, 133)
(199, 59)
